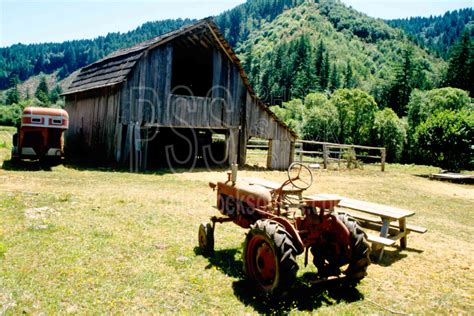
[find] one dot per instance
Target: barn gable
(188, 78)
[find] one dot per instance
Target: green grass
(117, 242)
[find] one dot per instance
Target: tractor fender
(342, 231)
(293, 233)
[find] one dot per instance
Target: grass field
(105, 241)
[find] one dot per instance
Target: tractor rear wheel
(269, 256)
(206, 239)
(356, 267)
(360, 249)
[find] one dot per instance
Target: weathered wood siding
(112, 120)
(147, 97)
(93, 121)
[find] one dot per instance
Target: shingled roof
(115, 67)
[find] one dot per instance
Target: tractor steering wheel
(300, 175)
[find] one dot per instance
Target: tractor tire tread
(283, 245)
(360, 259)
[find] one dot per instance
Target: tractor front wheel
(269, 256)
(206, 239)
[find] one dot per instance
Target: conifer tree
(461, 65)
(319, 65)
(333, 79)
(13, 96)
(55, 94)
(325, 71)
(42, 92)
(403, 83)
(303, 73)
(348, 77)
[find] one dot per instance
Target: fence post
(384, 156)
(301, 151)
(325, 156)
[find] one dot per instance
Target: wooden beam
(219, 42)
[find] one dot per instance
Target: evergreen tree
(325, 71)
(13, 96)
(70, 58)
(461, 65)
(348, 77)
(55, 94)
(319, 66)
(277, 87)
(42, 91)
(402, 85)
(303, 75)
(333, 79)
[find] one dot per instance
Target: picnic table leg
(383, 233)
(402, 224)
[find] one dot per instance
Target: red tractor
(282, 225)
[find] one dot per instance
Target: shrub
(423, 106)
(314, 100)
(425, 103)
(356, 110)
(10, 115)
(390, 132)
(445, 139)
(292, 113)
(322, 124)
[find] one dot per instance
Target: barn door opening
(258, 152)
(192, 69)
(186, 148)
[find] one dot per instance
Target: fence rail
(328, 152)
(338, 152)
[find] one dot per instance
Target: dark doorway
(192, 70)
(185, 147)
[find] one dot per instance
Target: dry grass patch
(117, 242)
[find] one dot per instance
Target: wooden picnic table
(389, 232)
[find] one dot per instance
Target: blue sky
(34, 21)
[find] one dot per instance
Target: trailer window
(57, 121)
(36, 120)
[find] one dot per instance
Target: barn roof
(115, 67)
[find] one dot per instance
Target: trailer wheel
(360, 246)
(206, 239)
(269, 256)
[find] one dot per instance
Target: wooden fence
(312, 151)
(331, 152)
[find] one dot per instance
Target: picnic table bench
(390, 221)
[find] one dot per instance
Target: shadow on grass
(29, 165)
(390, 256)
(302, 296)
(160, 170)
(121, 168)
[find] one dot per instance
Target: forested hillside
(19, 62)
(325, 46)
(438, 33)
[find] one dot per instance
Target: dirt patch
(6, 302)
(40, 212)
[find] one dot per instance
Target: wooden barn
(167, 99)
